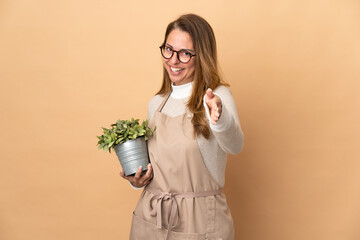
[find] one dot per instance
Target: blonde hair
(207, 74)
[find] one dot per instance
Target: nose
(174, 59)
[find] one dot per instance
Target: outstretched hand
(139, 180)
(214, 104)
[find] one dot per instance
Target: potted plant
(128, 139)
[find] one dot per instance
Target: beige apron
(182, 201)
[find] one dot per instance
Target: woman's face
(180, 73)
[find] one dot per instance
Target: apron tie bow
(173, 207)
(156, 211)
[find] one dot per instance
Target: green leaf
(122, 131)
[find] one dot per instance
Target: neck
(181, 91)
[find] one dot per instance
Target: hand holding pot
(139, 180)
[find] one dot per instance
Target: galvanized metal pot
(132, 154)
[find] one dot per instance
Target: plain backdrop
(68, 68)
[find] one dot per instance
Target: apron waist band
(173, 207)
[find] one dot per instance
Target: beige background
(69, 67)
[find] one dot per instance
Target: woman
(196, 127)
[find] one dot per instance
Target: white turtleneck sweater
(226, 135)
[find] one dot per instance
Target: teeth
(176, 69)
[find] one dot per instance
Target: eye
(186, 53)
(168, 49)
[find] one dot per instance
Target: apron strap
(164, 101)
(160, 107)
(173, 207)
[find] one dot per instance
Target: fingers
(209, 99)
(122, 174)
(209, 96)
(215, 106)
(148, 174)
(215, 114)
(139, 180)
(209, 93)
(138, 174)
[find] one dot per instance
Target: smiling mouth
(176, 69)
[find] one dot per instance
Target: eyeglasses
(183, 55)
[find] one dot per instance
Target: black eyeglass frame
(177, 54)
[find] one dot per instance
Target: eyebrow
(190, 50)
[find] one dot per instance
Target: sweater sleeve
(227, 129)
